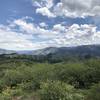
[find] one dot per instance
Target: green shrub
(12, 92)
(12, 77)
(30, 86)
(94, 92)
(71, 73)
(56, 90)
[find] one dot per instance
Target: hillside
(93, 50)
(56, 73)
(54, 54)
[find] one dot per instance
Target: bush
(94, 92)
(30, 86)
(72, 74)
(56, 90)
(12, 78)
(8, 93)
(12, 92)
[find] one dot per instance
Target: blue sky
(35, 24)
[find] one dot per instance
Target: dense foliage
(25, 78)
(57, 90)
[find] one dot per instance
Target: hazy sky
(34, 24)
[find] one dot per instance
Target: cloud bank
(30, 36)
(69, 8)
(22, 34)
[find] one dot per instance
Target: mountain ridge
(93, 50)
(4, 51)
(84, 49)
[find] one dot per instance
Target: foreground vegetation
(67, 80)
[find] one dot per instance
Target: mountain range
(93, 50)
(3, 51)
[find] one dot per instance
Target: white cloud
(69, 8)
(36, 4)
(24, 26)
(18, 41)
(78, 8)
(14, 41)
(30, 28)
(31, 36)
(43, 3)
(44, 7)
(58, 27)
(49, 3)
(43, 24)
(45, 12)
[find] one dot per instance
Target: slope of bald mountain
(85, 50)
(46, 51)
